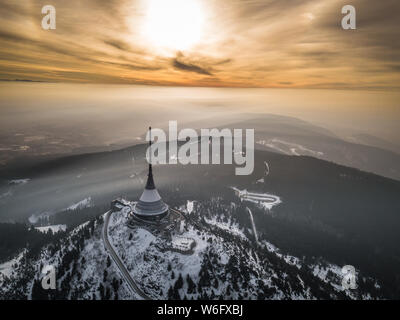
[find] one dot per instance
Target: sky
(211, 43)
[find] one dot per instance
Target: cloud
(21, 80)
(248, 43)
(117, 44)
(190, 67)
(180, 64)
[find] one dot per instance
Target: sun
(174, 24)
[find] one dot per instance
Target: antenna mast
(150, 148)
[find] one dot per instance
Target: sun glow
(173, 24)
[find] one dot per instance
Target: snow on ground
(79, 228)
(54, 228)
(230, 227)
(289, 148)
(90, 272)
(19, 181)
(292, 260)
(332, 274)
(85, 203)
(148, 264)
(328, 272)
(156, 269)
(322, 271)
(7, 268)
(35, 217)
(189, 206)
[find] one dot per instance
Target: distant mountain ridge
(293, 136)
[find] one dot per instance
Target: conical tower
(150, 205)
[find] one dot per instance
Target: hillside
(328, 211)
(225, 263)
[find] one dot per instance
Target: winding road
(121, 266)
(261, 197)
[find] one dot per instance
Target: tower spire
(150, 206)
(150, 181)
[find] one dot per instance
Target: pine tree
(105, 275)
(228, 290)
(212, 296)
(176, 295)
(108, 293)
(115, 284)
(101, 291)
(216, 284)
(179, 282)
(191, 284)
(170, 293)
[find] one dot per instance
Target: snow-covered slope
(54, 228)
(223, 261)
(83, 270)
